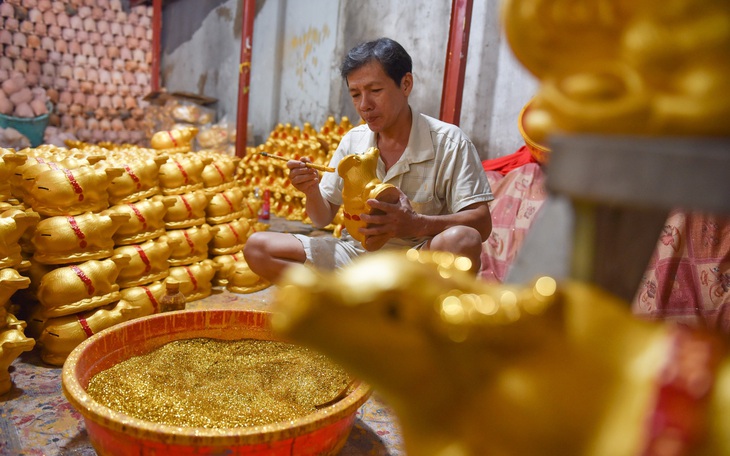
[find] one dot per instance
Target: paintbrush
(307, 164)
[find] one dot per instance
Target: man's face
(377, 98)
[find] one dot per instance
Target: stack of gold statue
(97, 230)
(15, 221)
(79, 264)
(264, 166)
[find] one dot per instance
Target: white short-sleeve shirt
(440, 170)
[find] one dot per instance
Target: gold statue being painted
(358, 171)
(474, 369)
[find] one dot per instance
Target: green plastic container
(32, 128)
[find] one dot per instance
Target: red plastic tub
(323, 432)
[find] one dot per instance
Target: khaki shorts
(328, 253)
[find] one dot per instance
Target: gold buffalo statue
(144, 298)
(146, 219)
(230, 237)
(13, 225)
(189, 245)
(225, 206)
(196, 280)
(13, 342)
(148, 262)
(187, 210)
(174, 141)
(360, 185)
(24, 175)
(238, 276)
(182, 173)
(63, 191)
(73, 239)
(138, 181)
(219, 175)
(474, 369)
(60, 335)
(74, 288)
(9, 161)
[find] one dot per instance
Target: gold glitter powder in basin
(322, 432)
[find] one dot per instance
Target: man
(444, 192)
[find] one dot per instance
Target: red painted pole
(244, 76)
(156, 33)
(455, 66)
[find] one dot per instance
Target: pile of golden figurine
(259, 173)
(91, 233)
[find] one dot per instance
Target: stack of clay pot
(259, 173)
(19, 100)
(90, 56)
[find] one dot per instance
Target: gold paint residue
(219, 384)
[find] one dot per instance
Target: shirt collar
(419, 148)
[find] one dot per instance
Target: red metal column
(156, 32)
(244, 77)
(455, 65)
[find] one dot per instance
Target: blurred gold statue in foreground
(632, 67)
(477, 369)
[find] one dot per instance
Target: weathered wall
(297, 48)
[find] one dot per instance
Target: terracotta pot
(26, 27)
(20, 39)
(34, 15)
(47, 43)
(62, 19)
(76, 22)
(26, 54)
(54, 32)
(40, 29)
(48, 69)
(12, 24)
(34, 67)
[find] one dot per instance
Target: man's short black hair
(390, 54)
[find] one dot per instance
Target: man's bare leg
(268, 254)
(460, 240)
